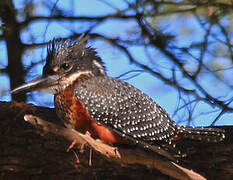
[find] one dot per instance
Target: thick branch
(28, 152)
(120, 154)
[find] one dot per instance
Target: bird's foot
(71, 146)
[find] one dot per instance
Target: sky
(115, 61)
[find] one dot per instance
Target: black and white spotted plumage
(132, 114)
(127, 111)
(123, 107)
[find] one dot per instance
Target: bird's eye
(65, 66)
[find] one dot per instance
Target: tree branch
(33, 151)
(119, 154)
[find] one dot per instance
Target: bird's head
(66, 62)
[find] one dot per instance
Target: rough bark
(33, 153)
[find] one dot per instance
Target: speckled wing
(125, 109)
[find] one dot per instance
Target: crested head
(66, 62)
(65, 57)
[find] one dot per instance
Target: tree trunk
(11, 34)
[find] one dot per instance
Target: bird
(111, 110)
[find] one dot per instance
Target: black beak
(37, 84)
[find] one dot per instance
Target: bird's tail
(203, 133)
